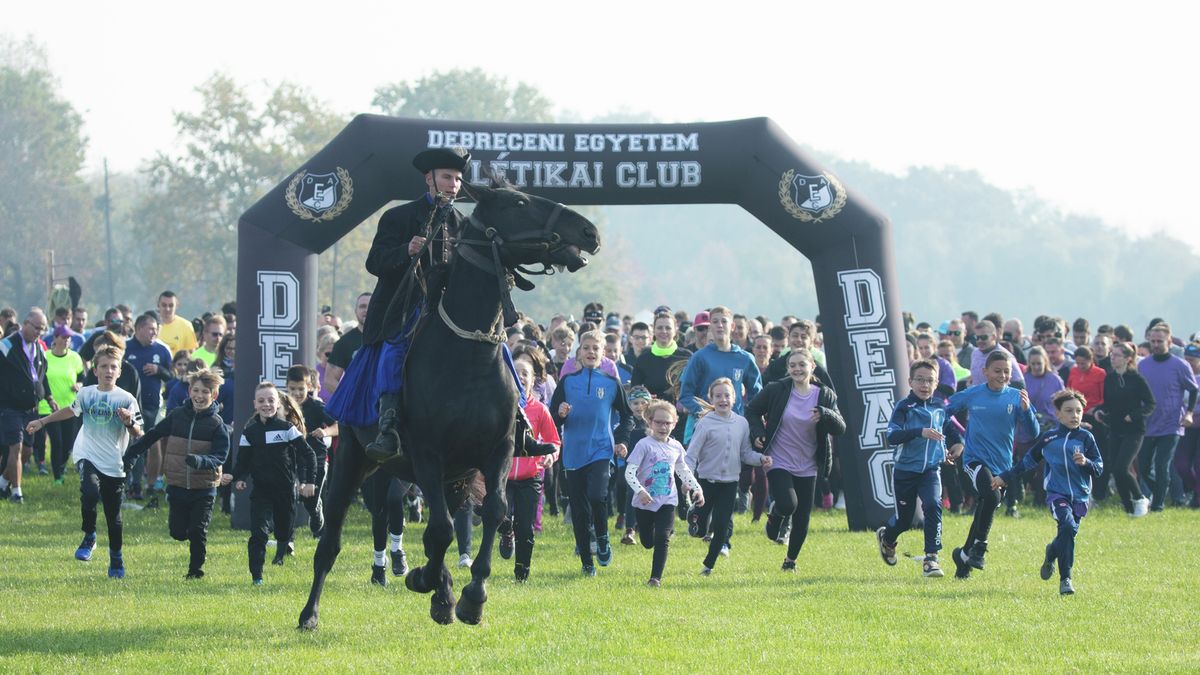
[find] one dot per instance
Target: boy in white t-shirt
(110, 416)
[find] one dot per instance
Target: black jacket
(315, 417)
(18, 391)
(389, 260)
(274, 454)
(650, 371)
(764, 411)
(1126, 394)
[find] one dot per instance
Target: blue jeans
(1157, 453)
(909, 486)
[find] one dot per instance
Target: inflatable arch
(751, 163)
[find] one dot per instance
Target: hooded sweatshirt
(719, 448)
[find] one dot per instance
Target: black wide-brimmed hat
(442, 158)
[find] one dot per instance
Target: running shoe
(930, 567)
(788, 566)
(399, 563)
(975, 558)
(603, 552)
(961, 569)
(886, 551)
(589, 570)
(464, 560)
(628, 538)
(1047, 569)
(84, 552)
(654, 583)
(379, 575)
(507, 543)
(1065, 587)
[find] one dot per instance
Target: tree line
(960, 242)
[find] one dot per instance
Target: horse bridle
(545, 240)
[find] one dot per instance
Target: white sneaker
(841, 503)
(464, 560)
(725, 550)
(1141, 507)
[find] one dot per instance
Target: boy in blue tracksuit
(1072, 460)
(995, 411)
(920, 430)
(583, 406)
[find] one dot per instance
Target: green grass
(842, 610)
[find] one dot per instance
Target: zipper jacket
(912, 416)
(1062, 475)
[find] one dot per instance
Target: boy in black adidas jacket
(274, 453)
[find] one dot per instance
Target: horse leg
(439, 532)
(495, 508)
(346, 475)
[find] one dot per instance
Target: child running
(639, 398)
(584, 405)
(996, 410)
(197, 446)
(1072, 460)
(110, 416)
(650, 471)
(920, 430)
(321, 430)
(525, 478)
(274, 454)
(719, 448)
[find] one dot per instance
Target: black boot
(386, 445)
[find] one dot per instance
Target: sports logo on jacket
(600, 393)
(811, 199)
(1010, 408)
(320, 196)
(737, 374)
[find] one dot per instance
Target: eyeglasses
(954, 332)
(662, 423)
(985, 336)
(923, 380)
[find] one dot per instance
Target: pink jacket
(524, 468)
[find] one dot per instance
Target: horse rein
(548, 241)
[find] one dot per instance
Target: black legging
(523, 497)
(716, 516)
(792, 496)
(654, 531)
(985, 509)
(952, 482)
(753, 479)
(589, 506)
(96, 487)
(384, 495)
(1124, 450)
(61, 436)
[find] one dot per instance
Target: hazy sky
(1093, 105)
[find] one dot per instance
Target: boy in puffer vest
(197, 445)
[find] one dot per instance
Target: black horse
(459, 401)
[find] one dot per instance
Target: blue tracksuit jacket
(910, 417)
(994, 416)
(1062, 475)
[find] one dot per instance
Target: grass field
(842, 610)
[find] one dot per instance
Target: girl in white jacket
(719, 447)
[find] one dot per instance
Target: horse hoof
(309, 624)
(413, 580)
(441, 612)
(469, 611)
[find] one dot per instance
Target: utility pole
(112, 296)
(333, 291)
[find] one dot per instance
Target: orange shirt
(1089, 383)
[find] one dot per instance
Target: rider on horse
(370, 390)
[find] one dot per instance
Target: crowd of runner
(692, 417)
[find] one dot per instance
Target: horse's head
(529, 229)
